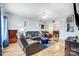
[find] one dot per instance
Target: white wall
(63, 34)
(32, 25)
(16, 22)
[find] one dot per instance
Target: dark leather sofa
(35, 35)
(30, 43)
(29, 46)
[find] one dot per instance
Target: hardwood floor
(56, 49)
(13, 50)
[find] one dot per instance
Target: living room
(45, 26)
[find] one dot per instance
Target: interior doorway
(56, 30)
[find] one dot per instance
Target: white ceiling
(33, 10)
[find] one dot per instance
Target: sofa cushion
(29, 41)
(33, 33)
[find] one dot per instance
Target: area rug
(44, 46)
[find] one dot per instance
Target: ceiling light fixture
(45, 15)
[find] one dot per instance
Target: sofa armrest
(32, 48)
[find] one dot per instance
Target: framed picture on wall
(70, 24)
